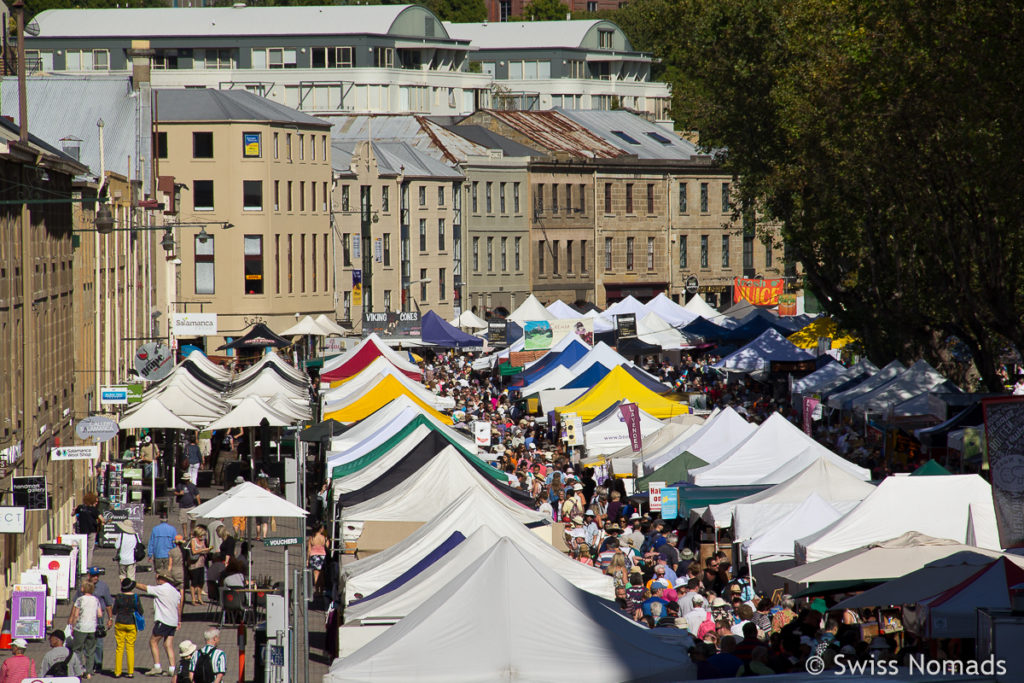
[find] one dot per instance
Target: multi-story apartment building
(234, 157)
(506, 10)
(584, 64)
(397, 230)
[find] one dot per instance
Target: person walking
(18, 666)
(161, 543)
(209, 664)
(194, 456)
(183, 672)
(101, 591)
(167, 606)
(60, 661)
(316, 554)
(188, 497)
(125, 544)
(126, 607)
(198, 551)
(87, 518)
(85, 619)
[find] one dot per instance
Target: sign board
(357, 287)
(757, 291)
(543, 334)
(193, 324)
(357, 247)
(251, 145)
(378, 250)
(132, 512)
(654, 489)
(574, 429)
(29, 492)
(669, 503)
(626, 325)
(781, 367)
(692, 285)
(283, 540)
(12, 520)
(135, 393)
(631, 416)
(113, 396)
(153, 361)
(497, 332)
(97, 427)
(787, 304)
(482, 433)
(75, 452)
(392, 323)
(809, 406)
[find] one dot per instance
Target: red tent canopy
(360, 358)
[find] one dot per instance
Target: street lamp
(104, 220)
(168, 241)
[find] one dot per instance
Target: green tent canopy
(930, 469)
(675, 470)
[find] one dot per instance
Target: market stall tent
(563, 311)
(387, 390)
(152, 414)
(758, 354)
(361, 355)
(820, 328)
(918, 379)
(388, 419)
(669, 311)
(777, 541)
(844, 399)
(616, 386)
(251, 412)
(716, 438)
(954, 612)
(530, 309)
(698, 306)
(358, 385)
(607, 432)
(439, 332)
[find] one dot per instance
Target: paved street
(196, 619)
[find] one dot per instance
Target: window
(607, 253)
(490, 254)
(161, 145)
(540, 257)
(386, 248)
(748, 252)
(440, 195)
(323, 255)
(725, 251)
(504, 10)
(583, 256)
(276, 140)
(202, 195)
(682, 252)
(682, 197)
(568, 256)
(253, 253)
(515, 198)
(312, 196)
(768, 254)
(440, 234)
(330, 57)
(274, 58)
(516, 246)
(323, 206)
(650, 253)
(423, 234)
(312, 260)
(277, 264)
(540, 198)
(725, 198)
(530, 69)
(385, 199)
(290, 285)
(554, 197)
(658, 137)
(583, 198)
(625, 137)
(346, 305)
(87, 60)
(345, 198)
(442, 285)
(650, 199)
(607, 197)
(476, 254)
(703, 197)
(488, 201)
(387, 299)
(212, 58)
(302, 195)
(629, 197)
(204, 265)
(423, 284)
(288, 145)
(576, 67)
(629, 252)
(289, 195)
(423, 195)
(473, 195)
(346, 249)
(277, 195)
(504, 254)
(323, 147)
(703, 251)
(501, 198)
(302, 147)
(302, 263)
(252, 195)
(384, 57)
(202, 145)
(554, 257)
(604, 39)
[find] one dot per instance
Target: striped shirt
(218, 659)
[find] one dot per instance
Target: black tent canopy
(259, 337)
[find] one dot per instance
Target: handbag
(140, 550)
(140, 618)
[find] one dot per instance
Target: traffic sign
(282, 540)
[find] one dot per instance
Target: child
(183, 674)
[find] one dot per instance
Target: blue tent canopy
(566, 358)
(645, 379)
(437, 331)
(702, 327)
(589, 377)
(753, 329)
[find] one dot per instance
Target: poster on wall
(757, 291)
(357, 288)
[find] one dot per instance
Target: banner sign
(482, 434)
(1004, 434)
(135, 393)
(29, 492)
(757, 292)
(378, 250)
(75, 452)
(574, 435)
(809, 406)
(543, 334)
(787, 304)
(654, 489)
(669, 503)
(626, 325)
(98, 428)
(392, 323)
(193, 324)
(251, 145)
(153, 362)
(12, 520)
(631, 416)
(497, 332)
(357, 288)
(113, 396)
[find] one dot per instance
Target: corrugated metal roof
(523, 34)
(62, 107)
(159, 22)
(208, 104)
(393, 158)
(557, 133)
(477, 140)
(632, 133)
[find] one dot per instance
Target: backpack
(202, 672)
(183, 674)
(140, 550)
(707, 626)
(59, 669)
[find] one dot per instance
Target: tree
(544, 10)
(459, 11)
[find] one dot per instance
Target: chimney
(142, 62)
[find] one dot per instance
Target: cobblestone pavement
(196, 619)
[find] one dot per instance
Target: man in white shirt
(167, 605)
(696, 616)
(125, 543)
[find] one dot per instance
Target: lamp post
(407, 285)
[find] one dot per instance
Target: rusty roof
(557, 133)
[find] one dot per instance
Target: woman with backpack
(127, 611)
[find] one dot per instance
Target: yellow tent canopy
(619, 385)
(379, 396)
(807, 337)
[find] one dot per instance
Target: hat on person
(239, 479)
(636, 570)
(577, 520)
(127, 585)
(262, 475)
(635, 515)
(660, 584)
(186, 476)
(186, 648)
(735, 588)
(20, 643)
(169, 579)
(719, 602)
(96, 571)
(589, 513)
(697, 600)
(612, 527)
(631, 542)
(57, 633)
(578, 487)
(686, 554)
(681, 582)
(126, 526)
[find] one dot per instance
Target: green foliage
(459, 11)
(544, 10)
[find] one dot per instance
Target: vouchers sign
(654, 490)
(756, 291)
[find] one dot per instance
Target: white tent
(957, 506)
(716, 438)
(265, 385)
(189, 399)
(808, 383)
(698, 306)
(387, 421)
(306, 326)
(366, 475)
(472, 510)
(669, 311)
(152, 414)
(880, 560)
(555, 379)
(295, 409)
(777, 542)
(664, 443)
(399, 360)
(844, 399)
(833, 483)
(758, 354)
(918, 379)
(435, 485)
(624, 307)
(600, 323)
(212, 369)
(770, 446)
(246, 500)
(483, 626)
(470, 320)
(610, 434)
(531, 309)
(653, 329)
(271, 357)
(374, 373)
(332, 327)
(563, 311)
(603, 354)
(372, 437)
(249, 413)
